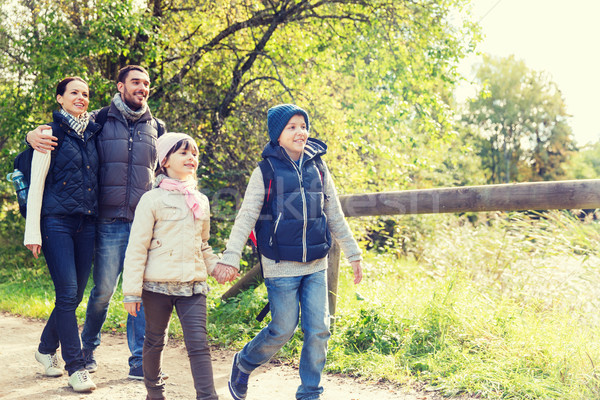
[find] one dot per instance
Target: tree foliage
(373, 74)
(522, 119)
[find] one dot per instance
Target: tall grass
(505, 308)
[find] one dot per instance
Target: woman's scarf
(78, 124)
(188, 188)
(127, 112)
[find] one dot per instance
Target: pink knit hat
(166, 143)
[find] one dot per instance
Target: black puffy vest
(72, 183)
(293, 225)
(128, 159)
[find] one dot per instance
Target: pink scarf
(188, 188)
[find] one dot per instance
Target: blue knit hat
(279, 116)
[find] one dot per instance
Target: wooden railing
(579, 194)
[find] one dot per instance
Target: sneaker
(238, 381)
(50, 363)
(90, 362)
(137, 373)
(80, 381)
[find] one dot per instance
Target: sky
(561, 37)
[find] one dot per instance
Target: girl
(61, 209)
(167, 262)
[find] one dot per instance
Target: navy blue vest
(292, 226)
(72, 182)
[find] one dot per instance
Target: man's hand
(40, 140)
(133, 307)
(224, 273)
(35, 249)
(357, 269)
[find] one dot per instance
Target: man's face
(135, 90)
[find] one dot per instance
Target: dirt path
(21, 377)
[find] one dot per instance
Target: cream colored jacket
(166, 243)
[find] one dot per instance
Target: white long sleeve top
(40, 164)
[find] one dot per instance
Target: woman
(61, 209)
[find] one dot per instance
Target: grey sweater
(249, 213)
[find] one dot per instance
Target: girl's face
(183, 163)
(75, 99)
(294, 136)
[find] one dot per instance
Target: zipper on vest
(304, 213)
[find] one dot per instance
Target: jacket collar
(59, 119)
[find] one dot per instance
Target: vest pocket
(275, 226)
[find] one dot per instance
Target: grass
(505, 308)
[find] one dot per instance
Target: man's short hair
(123, 72)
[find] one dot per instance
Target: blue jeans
(68, 246)
(288, 298)
(112, 236)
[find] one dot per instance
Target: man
(127, 153)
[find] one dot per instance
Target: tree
(375, 74)
(523, 122)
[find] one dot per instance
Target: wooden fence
(579, 194)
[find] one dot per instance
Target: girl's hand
(357, 269)
(224, 273)
(133, 307)
(35, 249)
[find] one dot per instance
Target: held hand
(133, 307)
(35, 249)
(357, 269)
(42, 141)
(224, 273)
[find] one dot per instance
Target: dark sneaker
(238, 381)
(90, 362)
(137, 373)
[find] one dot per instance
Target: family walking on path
(121, 192)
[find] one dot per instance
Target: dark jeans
(112, 237)
(68, 246)
(192, 315)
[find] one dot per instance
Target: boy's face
(294, 136)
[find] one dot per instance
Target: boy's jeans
(112, 236)
(288, 297)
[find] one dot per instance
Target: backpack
(22, 163)
(268, 177)
(103, 115)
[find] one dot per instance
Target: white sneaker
(50, 363)
(80, 381)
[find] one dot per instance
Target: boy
(294, 236)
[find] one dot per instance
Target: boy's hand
(224, 273)
(133, 307)
(41, 141)
(357, 269)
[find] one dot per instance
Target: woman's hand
(133, 307)
(35, 249)
(224, 273)
(40, 140)
(357, 269)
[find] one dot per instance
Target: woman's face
(75, 99)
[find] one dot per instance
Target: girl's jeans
(68, 246)
(288, 297)
(192, 315)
